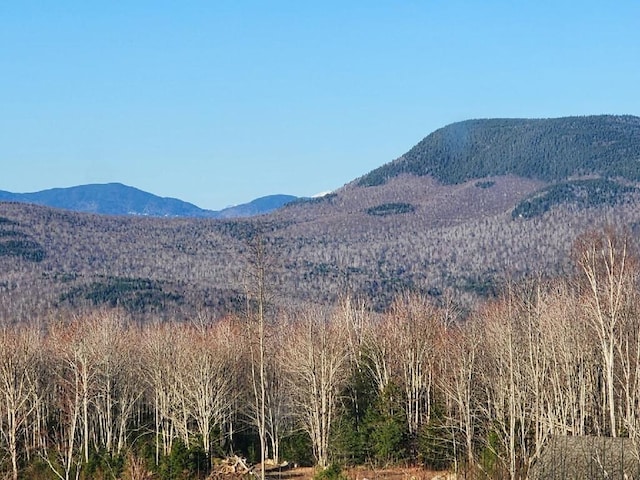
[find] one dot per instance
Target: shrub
(297, 449)
(332, 472)
(184, 463)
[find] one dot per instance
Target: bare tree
(460, 382)
(609, 269)
(566, 344)
(117, 377)
(158, 358)
(205, 375)
(74, 372)
(416, 326)
(279, 409)
(508, 400)
(316, 362)
(380, 348)
(258, 293)
(19, 367)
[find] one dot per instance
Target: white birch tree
(316, 365)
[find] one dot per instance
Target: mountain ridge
(544, 149)
(119, 199)
(408, 233)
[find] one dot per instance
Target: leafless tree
(508, 400)
(205, 375)
(19, 367)
(460, 381)
(159, 359)
(75, 369)
(117, 377)
(416, 326)
(316, 362)
(609, 268)
(268, 409)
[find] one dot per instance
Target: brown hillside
(441, 236)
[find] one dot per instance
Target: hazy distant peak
(119, 199)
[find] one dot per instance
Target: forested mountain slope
(423, 233)
(545, 149)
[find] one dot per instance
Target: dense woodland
(448, 310)
(372, 243)
(547, 149)
(472, 204)
(101, 395)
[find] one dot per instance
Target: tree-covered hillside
(544, 149)
(409, 233)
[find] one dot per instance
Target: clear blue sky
(219, 102)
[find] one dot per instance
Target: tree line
(99, 395)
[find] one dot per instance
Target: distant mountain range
(471, 206)
(119, 199)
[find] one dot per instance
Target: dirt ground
(362, 473)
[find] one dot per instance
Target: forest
(546, 149)
(100, 394)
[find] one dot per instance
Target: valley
(463, 306)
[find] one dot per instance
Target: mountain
(119, 199)
(544, 149)
(452, 223)
(109, 199)
(258, 206)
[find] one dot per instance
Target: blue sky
(219, 102)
